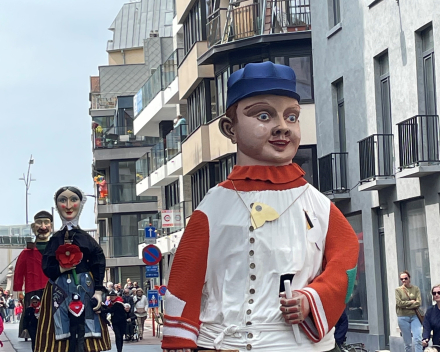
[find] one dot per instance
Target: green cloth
(41, 246)
(404, 308)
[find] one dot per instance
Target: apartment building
(142, 35)
(378, 147)
(212, 40)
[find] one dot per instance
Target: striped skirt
(46, 342)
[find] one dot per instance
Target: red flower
(68, 255)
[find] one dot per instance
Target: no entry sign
(151, 255)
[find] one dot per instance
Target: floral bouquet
(69, 256)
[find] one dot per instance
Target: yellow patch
(261, 213)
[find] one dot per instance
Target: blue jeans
(408, 325)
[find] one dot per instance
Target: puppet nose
(282, 129)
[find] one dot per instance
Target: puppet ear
(33, 228)
(227, 129)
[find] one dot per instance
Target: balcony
(122, 198)
(246, 20)
(102, 102)
(418, 146)
(160, 94)
(119, 137)
(120, 246)
(15, 241)
(376, 159)
(173, 150)
(333, 178)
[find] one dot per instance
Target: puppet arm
(329, 292)
(20, 270)
(184, 294)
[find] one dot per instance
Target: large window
(334, 12)
(340, 116)
(302, 65)
(194, 27)
(225, 166)
(201, 105)
(172, 194)
(357, 307)
(125, 238)
(429, 71)
(201, 181)
(415, 245)
(222, 90)
(385, 124)
(307, 158)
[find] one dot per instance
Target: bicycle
(353, 347)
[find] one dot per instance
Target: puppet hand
(63, 270)
(294, 309)
(98, 297)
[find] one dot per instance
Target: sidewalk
(14, 344)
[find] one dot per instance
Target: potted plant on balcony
(131, 134)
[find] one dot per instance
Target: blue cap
(259, 79)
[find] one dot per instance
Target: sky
(48, 51)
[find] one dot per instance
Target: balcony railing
(418, 141)
(158, 81)
(155, 220)
(125, 192)
(143, 167)
(120, 137)
(120, 246)
(15, 240)
(174, 140)
(376, 154)
(157, 156)
(264, 17)
(102, 102)
(333, 173)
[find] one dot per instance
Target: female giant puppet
(262, 226)
(75, 266)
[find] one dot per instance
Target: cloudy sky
(48, 51)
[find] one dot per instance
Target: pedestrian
(11, 307)
(116, 310)
(30, 319)
(408, 299)
(128, 285)
(18, 311)
(118, 289)
(432, 320)
(128, 298)
(110, 286)
(130, 317)
(135, 285)
(2, 306)
(140, 309)
(341, 329)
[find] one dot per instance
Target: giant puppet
(28, 272)
(262, 230)
(75, 265)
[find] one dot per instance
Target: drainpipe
(123, 56)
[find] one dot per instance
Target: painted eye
(263, 116)
(292, 118)
(74, 199)
(62, 200)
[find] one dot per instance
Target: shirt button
(253, 277)
(251, 253)
(251, 301)
(251, 228)
(248, 323)
(248, 312)
(252, 240)
(250, 335)
(248, 347)
(251, 291)
(252, 266)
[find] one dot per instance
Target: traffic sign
(151, 255)
(152, 271)
(162, 290)
(150, 235)
(153, 299)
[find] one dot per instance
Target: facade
(213, 39)
(141, 36)
(378, 149)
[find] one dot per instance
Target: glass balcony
(157, 156)
(103, 102)
(333, 173)
(143, 166)
(155, 220)
(121, 246)
(418, 141)
(159, 80)
(119, 137)
(125, 192)
(376, 154)
(214, 28)
(174, 140)
(15, 240)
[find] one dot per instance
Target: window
(225, 167)
(201, 181)
(306, 157)
(172, 194)
(357, 308)
(415, 247)
(222, 89)
(429, 71)
(340, 116)
(385, 123)
(334, 12)
(194, 26)
(200, 105)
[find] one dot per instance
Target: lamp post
(27, 181)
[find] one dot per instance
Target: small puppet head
(262, 115)
(42, 226)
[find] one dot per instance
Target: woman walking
(432, 319)
(140, 309)
(408, 300)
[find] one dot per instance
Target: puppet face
(42, 228)
(68, 205)
(266, 130)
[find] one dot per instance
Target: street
(14, 344)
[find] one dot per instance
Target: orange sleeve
(184, 291)
(19, 272)
(328, 293)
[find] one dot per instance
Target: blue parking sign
(153, 299)
(151, 271)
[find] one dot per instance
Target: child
(30, 320)
(18, 310)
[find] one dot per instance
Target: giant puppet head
(42, 226)
(69, 203)
(262, 115)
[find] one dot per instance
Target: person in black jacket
(30, 319)
(118, 317)
(128, 298)
(432, 320)
(131, 322)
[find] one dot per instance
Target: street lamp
(27, 181)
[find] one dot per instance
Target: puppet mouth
(280, 143)
(43, 232)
